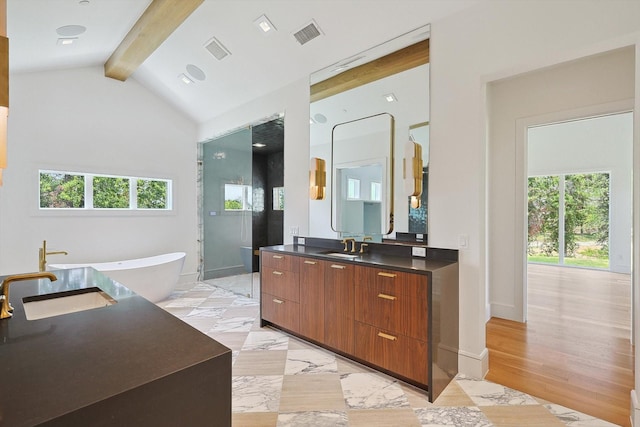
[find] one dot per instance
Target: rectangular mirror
(391, 78)
(362, 176)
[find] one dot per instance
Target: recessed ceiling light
(83, 2)
(259, 145)
(71, 30)
(66, 41)
(390, 97)
(185, 79)
(264, 24)
(196, 72)
(320, 118)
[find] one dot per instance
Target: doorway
(579, 207)
(241, 203)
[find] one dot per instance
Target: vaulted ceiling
(257, 63)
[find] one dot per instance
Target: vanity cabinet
(379, 313)
(280, 282)
(339, 306)
(312, 298)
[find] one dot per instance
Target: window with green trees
(71, 190)
(568, 218)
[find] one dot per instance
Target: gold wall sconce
(4, 86)
(412, 172)
(317, 179)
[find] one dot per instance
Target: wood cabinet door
(339, 306)
(397, 353)
(312, 295)
(280, 283)
(280, 311)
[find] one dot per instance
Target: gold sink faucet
(42, 256)
(6, 309)
(363, 244)
(346, 244)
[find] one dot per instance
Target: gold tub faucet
(42, 256)
(5, 308)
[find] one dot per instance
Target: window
(72, 190)
(376, 191)
(237, 197)
(353, 188)
(568, 218)
(278, 198)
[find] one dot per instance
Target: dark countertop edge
(405, 263)
(31, 336)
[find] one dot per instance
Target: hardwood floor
(575, 348)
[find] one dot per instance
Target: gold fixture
(317, 179)
(4, 86)
(415, 202)
(6, 309)
(42, 256)
(383, 274)
(346, 244)
(387, 336)
(362, 246)
(412, 169)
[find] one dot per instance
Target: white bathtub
(153, 277)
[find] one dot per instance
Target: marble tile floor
(279, 380)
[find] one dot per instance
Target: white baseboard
(473, 365)
(504, 311)
(635, 409)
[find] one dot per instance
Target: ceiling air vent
(217, 49)
(307, 33)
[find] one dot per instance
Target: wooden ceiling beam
(396, 62)
(157, 22)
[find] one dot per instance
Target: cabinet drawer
(281, 311)
(280, 283)
(389, 281)
(394, 352)
(394, 301)
(279, 261)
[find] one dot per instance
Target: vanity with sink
(384, 308)
(85, 350)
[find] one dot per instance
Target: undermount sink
(340, 255)
(56, 304)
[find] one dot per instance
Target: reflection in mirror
(400, 88)
(362, 177)
(418, 217)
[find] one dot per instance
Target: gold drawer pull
(278, 256)
(387, 274)
(278, 301)
(340, 267)
(310, 262)
(389, 297)
(387, 336)
(278, 273)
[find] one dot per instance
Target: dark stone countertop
(54, 366)
(377, 255)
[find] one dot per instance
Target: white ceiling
(258, 64)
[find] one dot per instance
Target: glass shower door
(227, 203)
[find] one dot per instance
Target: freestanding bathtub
(153, 277)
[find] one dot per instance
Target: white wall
(79, 120)
(553, 94)
(487, 42)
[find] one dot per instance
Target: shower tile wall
(267, 223)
